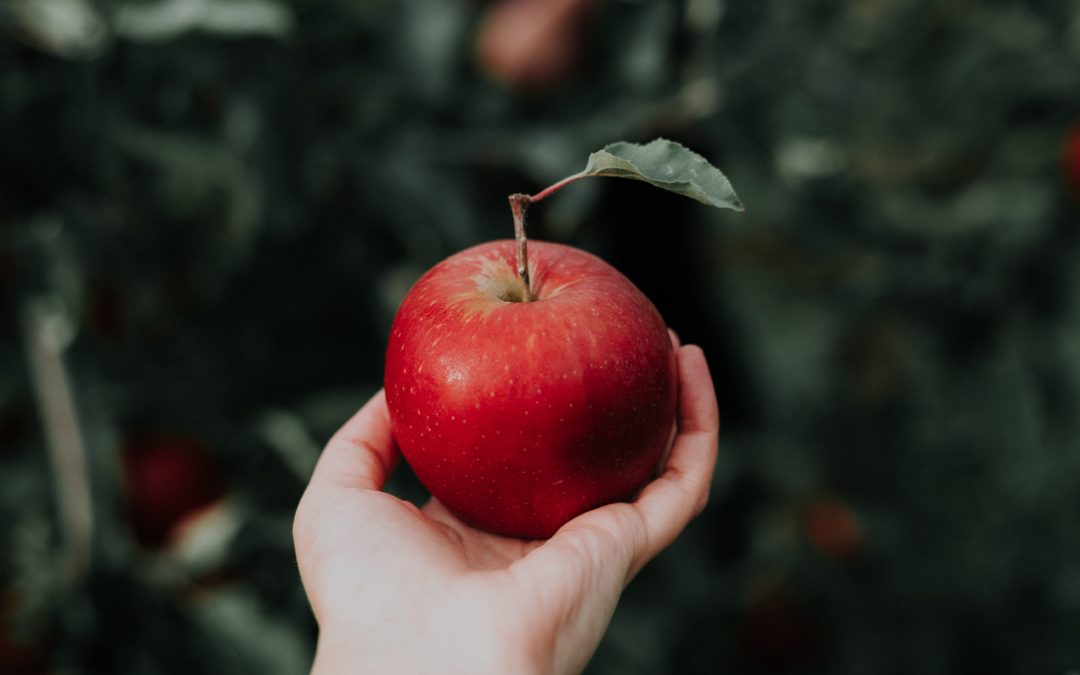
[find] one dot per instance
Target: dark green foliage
(218, 220)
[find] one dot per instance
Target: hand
(400, 589)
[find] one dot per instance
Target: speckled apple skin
(520, 416)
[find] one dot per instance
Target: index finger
(362, 453)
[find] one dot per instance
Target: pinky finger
(671, 501)
(675, 342)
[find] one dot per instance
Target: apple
(20, 658)
(520, 415)
(531, 44)
(524, 391)
(170, 481)
(780, 634)
(833, 529)
(1072, 160)
(19, 654)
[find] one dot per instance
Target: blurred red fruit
(833, 529)
(167, 480)
(1072, 160)
(531, 44)
(779, 635)
(18, 656)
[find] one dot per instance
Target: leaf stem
(550, 190)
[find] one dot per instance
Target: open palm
(397, 588)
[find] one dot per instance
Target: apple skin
(519, 416)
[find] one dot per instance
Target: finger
(362, 453)
(670, 502)
(675, 342)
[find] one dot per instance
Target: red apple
(531, 44)
(1072, 160)
(526, 392)
(169, 480)
(780, 634)
(19, 655)
(833, 529)
(519, 415)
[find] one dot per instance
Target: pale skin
(401, 589)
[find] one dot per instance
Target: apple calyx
(661, 163)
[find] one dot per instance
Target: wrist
(342, 653)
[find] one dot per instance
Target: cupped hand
(401, 589)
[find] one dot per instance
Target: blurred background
(210, 210)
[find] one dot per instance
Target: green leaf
(666, 165)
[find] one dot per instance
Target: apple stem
(519, 204)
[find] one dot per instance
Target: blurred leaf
(171, 18)
(666, 165)
(69, 28)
